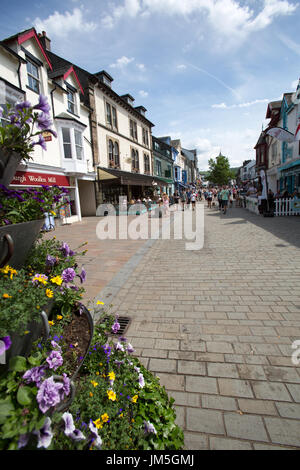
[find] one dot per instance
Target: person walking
(209, 198)
(225, 196)
(183, 199)
(193, 199)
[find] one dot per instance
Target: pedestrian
(188, 195)
(209, 199)
(225, 197)
(193, 200)
(183, 199)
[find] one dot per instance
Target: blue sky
(204, 69)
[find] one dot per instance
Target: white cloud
(289, 43)
(240, 105)
(122, 62)
(181, 67)
(143, 93)
(141, 67)
(59, 24)
(226, 17)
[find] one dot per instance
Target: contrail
(216, 78)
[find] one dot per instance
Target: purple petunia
(5, 344)
(23, 440)
(23, 105)
(149, 428)
(116, 326)
(141, 381)
(70, 429)
(49, 394)
(68, 274)
(54, 360)
(44, 121)
(95, 438)
(119, 347)
(42, 104)
(50, 260)
(130, 348)
(41, 142)
(35, 374)
(82, 275)
(44, 434)
(66, 250)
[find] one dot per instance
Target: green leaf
(35, 360)
(6, 409)
(18, 363)
(23, 395)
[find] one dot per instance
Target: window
(168, 172)
(146, 163)
(133, 129)
(145, 137)
(116, 154)
(114, 117)
(108, 114)
(78, 145)
(71, 101)
(158, 167)
(135, 160)
(67, 142)
(72, 143)
(111, 116)
(111, 152)
(33, 76)
(274, 152)
(176, 173)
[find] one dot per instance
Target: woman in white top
(193, 200)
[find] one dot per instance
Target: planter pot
(16, 240)
(22, 345)
(9, 162)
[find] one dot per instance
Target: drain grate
(124, 323)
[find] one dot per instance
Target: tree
(219, 170)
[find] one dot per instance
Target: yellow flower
(91, 394)
(99, 302)
(53, 213)
(111, 375)
(51, 322)
(93, 382)
(57, 280)
(49, 293)
(97, 373)
(39, 279)
(100, 364)
(98, 423)
(59, 317)
(26, 332)
(134, 399)
(111, 395)
(7, 296)
(121, 415)
(105, 417)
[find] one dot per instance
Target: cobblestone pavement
(217, 326)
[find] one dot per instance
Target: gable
(31, 34)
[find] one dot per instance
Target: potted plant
(23, 123)
(21, 218)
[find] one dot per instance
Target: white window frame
(72, 126)
(33, 77)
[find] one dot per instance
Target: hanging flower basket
(16, 240)
(9, 162)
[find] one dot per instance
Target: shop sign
(47, 136)
(27, 178)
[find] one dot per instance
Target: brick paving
(217, 325)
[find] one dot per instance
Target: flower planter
(9, 162)
(16, 240)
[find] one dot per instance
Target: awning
(126, 177)
(290, 165)
(165, 180)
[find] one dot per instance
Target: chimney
(45, 41)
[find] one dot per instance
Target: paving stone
(271, 391)
(193, 346)
(195, 441)
(221, 443)
(284, 431)
(294, 391)
(289, 410)
(201, 384)
(222, 370)
(205, 421)
(258, 446)
(185, 398)
(162, 365)
(282, 374)
(218, 402)
(245, 427)
(260, 407)
(219, 347)
(171, 381)
(235, 388)
(250, 371)
(167, 344)
(209, 357)
(191, 367)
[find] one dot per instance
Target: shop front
(70, 211)
(290, 177)
(113, 183)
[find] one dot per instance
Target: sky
(205, 70)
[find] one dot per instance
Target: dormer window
(33, 76)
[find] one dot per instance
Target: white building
(27, 70)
